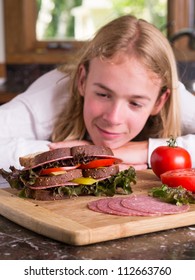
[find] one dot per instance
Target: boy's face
(118, 99)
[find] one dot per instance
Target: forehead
(124, 69)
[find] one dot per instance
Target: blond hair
(136, 38)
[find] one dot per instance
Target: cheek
(135, 126)
(91, 108)
(136, 123)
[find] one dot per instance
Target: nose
(115, 113)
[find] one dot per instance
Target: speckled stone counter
(18, 243)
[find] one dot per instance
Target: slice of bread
(27, 160)
(102, 172)
(44, 182)
(44, 194)
(91, 150)
(34, 160)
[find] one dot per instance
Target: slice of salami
(101, 206)
(92, 205)
(150, 204)
(116, 205)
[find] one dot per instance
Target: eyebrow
(103, 87)
(134, 96)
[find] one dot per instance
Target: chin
(111, 145)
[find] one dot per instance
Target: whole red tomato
(171, 157)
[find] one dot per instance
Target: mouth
(109, 135)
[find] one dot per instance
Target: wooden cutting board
(70, 221)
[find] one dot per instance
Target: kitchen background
(38, 35)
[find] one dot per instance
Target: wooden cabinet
(21, 43)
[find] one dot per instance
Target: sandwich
(64, 172)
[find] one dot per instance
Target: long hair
(136, 38)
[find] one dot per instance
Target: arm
(187, 111)
(19, 135)
(27, 121)
(133, 154)
(13, 148)
(68, 143)
(138, 153)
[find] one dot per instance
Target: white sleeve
(187, 140)
(13, 148)
(187, 100)
(27, 121)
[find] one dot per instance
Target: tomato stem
(171, 142)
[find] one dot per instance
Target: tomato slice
(180, 177)
(98, 163)
(58, 170)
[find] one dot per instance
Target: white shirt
(27, 121)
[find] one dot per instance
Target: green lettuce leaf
(116, 184)
(176, 196)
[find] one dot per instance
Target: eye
(135, 104)
(103, 95)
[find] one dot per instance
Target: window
(23, 45)
(79, 19)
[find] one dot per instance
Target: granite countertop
(18, 243)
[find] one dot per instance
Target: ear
(82, 76)
(160, 102)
